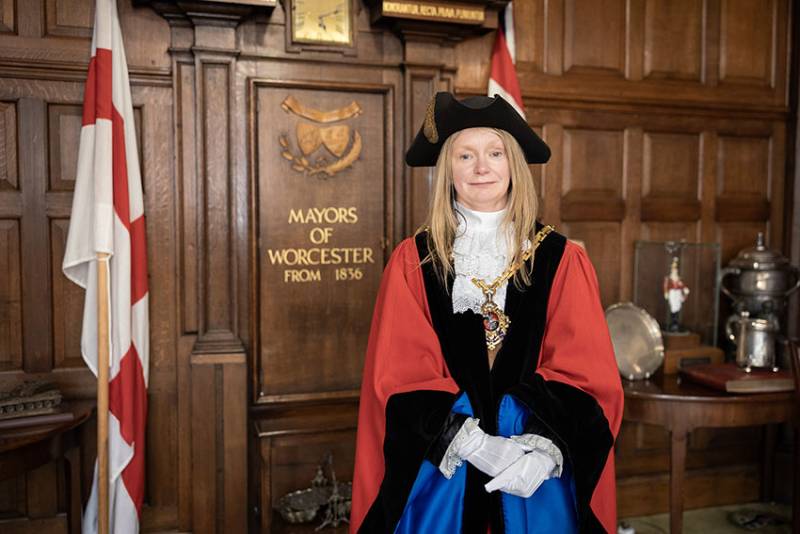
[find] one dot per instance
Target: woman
(491, 398)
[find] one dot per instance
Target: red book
(733, 379)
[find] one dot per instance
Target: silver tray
(638, 346)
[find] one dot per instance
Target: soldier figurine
(675, 292)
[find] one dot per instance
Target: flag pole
(102, 392)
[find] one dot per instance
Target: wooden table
(681, 406)
(26, 448)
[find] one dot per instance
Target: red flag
(108, 217)
(503, 78)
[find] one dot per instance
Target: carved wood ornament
(310, 137)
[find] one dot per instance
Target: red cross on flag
(108, 222)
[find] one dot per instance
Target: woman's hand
(523, 477)
(490, 454)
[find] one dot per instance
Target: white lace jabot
(480, 250)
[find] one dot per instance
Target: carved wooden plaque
(320, 189)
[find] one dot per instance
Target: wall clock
(321, 22)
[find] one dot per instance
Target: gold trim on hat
(429, 126)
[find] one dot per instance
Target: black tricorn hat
(446, 116)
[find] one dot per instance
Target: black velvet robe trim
(450, 428)
(414, 421)
(577, 425)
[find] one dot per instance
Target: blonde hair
(520, 217)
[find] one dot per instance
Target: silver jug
(754, 339)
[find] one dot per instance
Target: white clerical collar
(479, 220)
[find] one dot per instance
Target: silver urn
(759, 280)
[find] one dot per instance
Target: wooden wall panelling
(396, 165)
(708, 158)
(712, 53)
(552, 172)
(529, 26)
(670, 231)
(43, 502)
(72, 481)
(301, 360)
(538, 175)
(8, 147)
(10, 297)
(217, 270)
(749, 186)
(30, 20)
(743, 178)
(777, 185)
(68, 298)
(35, 238)
(219, 394)
(473, 63)
(646, 495)
(792, 198)
(603, 241)
(12, 497)
(673, 46)
(592, 174)
(62, 123)
(594, 37)
(217, 361)
(670, 179)
(644, 449)
(184, 117)
(241, 196)
(154, 103)
(671, 186)
(749, 34)
(635, 161)
(722, 458)
(593, 189)
(10, 251)
(8, 17)
(65, 19)
(554, 37)
(41, 35)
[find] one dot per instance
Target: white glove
(490, 454)
(523, 477)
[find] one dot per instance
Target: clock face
(321, 21)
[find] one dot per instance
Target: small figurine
(675, 292)
(319, 480)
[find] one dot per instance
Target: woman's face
(481, 174)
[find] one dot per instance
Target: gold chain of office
(495, 321)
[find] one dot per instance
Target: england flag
(503, 78)
(108, 218)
